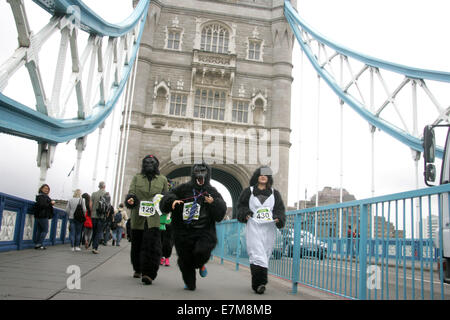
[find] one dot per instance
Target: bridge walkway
(44, 275)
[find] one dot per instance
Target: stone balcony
(213, 69)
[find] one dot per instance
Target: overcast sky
(409, 32)
(403, 32)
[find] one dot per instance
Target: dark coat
(43, 207)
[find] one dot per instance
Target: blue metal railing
(90, 22)
(17, 227)
(20, 120)
(297, 25)
(384, 257)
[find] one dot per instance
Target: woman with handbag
(88, 223)
(75, 210)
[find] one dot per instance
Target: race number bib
(264, 214)
(147, 209)
(187, 209)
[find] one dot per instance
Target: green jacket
(145, 191)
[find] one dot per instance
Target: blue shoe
(187, 288)
(203, 272)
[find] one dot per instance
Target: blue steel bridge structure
(313, 249)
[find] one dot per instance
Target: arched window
(161, 100)
(215, 38)
(258, 113)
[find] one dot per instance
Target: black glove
(128, 197)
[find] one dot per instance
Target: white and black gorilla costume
(263, 211)
(194, 221)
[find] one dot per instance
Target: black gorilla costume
(194, 230)
(145, 233)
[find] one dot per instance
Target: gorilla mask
(150, 165)
(200, 174)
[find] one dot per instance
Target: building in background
(218, 72)
(433, 225)
(335, 223)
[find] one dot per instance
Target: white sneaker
(77, 249)
(73, 249)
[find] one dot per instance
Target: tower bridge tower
(213, 82)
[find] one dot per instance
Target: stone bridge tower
(214, 82)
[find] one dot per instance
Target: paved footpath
(47, 274)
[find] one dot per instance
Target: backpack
(116, 220)
(102, 207)
(118, 217)
(79, 214)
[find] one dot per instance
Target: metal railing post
(296, 254)
(238, 245)
(222, 240)
(362, 290)
(20, 226)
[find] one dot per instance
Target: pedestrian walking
(43, 210)
(87, 230)
(355, 242)
(107, 221)
(73, 208)
(119, 220)
(99, 210)
(167, 244)
(349, 241)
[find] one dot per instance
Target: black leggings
(167, 241)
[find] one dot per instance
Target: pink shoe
(162, 261)
(167, 262)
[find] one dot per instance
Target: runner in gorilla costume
(196, 207)
(145, 233)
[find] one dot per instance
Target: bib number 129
(147, 209)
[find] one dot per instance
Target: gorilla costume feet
(147, 280)
(188, 288)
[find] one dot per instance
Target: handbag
(79, 214)
(88, 222)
